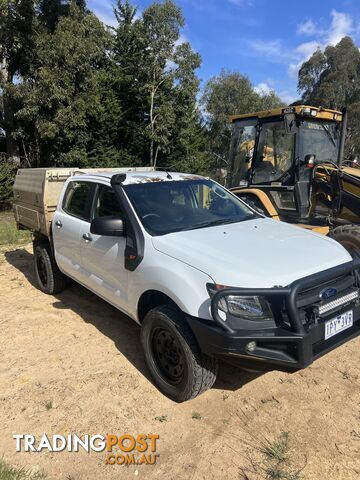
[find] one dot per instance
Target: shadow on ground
(121, 329)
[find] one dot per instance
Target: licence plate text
(338, 324)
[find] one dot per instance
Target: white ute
(205, 276)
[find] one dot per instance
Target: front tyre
(49, 278)
(179, 369)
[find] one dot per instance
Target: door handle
(58, 224)
(87, 237)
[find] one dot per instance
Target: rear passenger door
(103, 258)
(70, 219)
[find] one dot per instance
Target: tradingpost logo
(123, 449)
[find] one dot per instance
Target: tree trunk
(156, 155)
(151, 152)
(152, 126)
(11, 146)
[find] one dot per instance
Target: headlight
(246, 307)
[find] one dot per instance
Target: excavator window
(319, 138)
(275, 154)
(244, 136)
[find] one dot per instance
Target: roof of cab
(132, 178)
(321, 113)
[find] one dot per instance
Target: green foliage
(77, 93)
(165, 71)
(16, 38)
(118, 128)
(7, 176)
(332, 79)
(60, 93)
(148, 91)
(16, 55)
(310, 74)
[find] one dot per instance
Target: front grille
(312, 296)
(312, 308)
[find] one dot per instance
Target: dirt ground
(73, 364)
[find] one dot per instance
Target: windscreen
(321, 139)
(242, 151)
(173, 206)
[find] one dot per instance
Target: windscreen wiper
(326, 128)
(219, 221)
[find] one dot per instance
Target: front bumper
(285, 347)
(277, 348)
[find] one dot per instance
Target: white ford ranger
(204, 275)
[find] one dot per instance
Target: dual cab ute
(205, 275)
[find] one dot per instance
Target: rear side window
(77, 199)
(106, 203)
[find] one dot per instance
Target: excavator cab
(288, 164)
(276, 152)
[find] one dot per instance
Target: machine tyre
(349, 237)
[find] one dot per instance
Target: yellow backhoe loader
(289, 164)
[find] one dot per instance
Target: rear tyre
(179, 369)
(349, 237)
(49, 278)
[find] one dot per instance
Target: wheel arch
(151, 299)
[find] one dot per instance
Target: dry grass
(10, 473)
(9, 234)
(272, 459)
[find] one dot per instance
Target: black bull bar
(289, 293)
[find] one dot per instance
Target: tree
(331, 78)
(60, 93)
(126, 84)
(310, 74)
(231, 93)
(188, 144)
(16, 53)
(153, 79)
(161, 29)
(51, 11)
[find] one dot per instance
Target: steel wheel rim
(168, 355)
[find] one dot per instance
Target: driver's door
(102, 257)
(273, 168)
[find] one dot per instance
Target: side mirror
(107, 226)
(310, 160)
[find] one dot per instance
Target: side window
(76, 201)
(106, 203)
